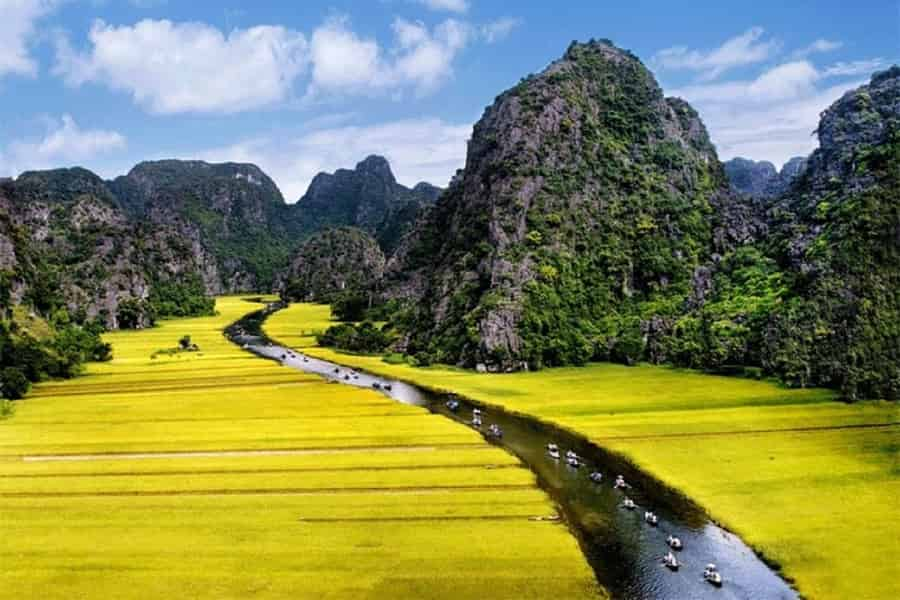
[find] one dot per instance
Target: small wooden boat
(674, 542)
(573, 462)
(671, 562)
(629, 504)
(596, 476)
(651, 518)
(713, 577)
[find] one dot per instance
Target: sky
(303, 86)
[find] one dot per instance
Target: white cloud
(344, 63)
(425, 149)
(744, 49)
(855, 68)
(65, 143)
(17, 28)
(821, 45)
(457, 6)
(193, 67)
(189, 67)
(771, 117)
(499, 29)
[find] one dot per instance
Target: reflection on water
(624, 551)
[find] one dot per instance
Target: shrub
(13, 383)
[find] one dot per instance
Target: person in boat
(596, 476)
(552, 446)
(571, 454)
(670, 561)
(553, 451)
(573, 462)
(674, 542)
(629, 504)
(620, 482)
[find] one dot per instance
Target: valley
(788, 470)
(217, 474)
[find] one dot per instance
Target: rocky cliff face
(837, 234)
(334, 261)
(760, 180)
(233, 211)
(66, 241)
(586, 194)
(367, 197)
(594, 221)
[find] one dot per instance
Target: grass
(276, 485)
(810, 482)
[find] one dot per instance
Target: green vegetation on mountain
(368, 198)
(593, 221)
(335, 263)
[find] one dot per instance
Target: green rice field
(218, 474)
(811, 483)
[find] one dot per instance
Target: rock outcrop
(335, 261)
(367, 197)
(761, 180)
(585, 194)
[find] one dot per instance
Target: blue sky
(304, 86)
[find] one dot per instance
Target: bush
(364, 338)
(350, 307)
(13, 383)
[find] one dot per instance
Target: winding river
(624, 551)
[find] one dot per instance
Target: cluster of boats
(493, 430)
(670, 560)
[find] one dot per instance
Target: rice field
(812, 483)
(217, 474)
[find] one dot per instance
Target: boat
(674, 542)
(376, 385)
(629, 504)
(495, 431)
(670, 561)
(571, 454)
(573, 462)
(452, 405)
(712, 575)
(651, 518)
(476, 420)
(620, 483)
(387, 386)
(596, 476)
(553, 453)
(552, 446)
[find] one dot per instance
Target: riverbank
(215, 474)
(810, 482)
